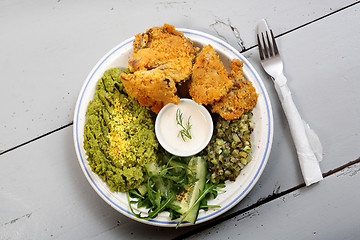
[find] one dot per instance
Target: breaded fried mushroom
(241, 98)
(210, 81)
(162, 58)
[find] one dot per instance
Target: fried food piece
(162, 57)
(241, 98)
(210, 81)
(151, 88)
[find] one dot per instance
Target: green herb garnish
(185, 131)
(166, 185)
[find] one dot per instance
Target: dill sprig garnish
(185, 131)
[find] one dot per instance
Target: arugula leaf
(164, 184)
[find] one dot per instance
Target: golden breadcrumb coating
(210, 80)
(162, 57)
(151, 88)
(241, 98)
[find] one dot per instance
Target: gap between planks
(35, 139)
(270, 198)
(306, 24)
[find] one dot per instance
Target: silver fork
(269, 55)
(308, 146)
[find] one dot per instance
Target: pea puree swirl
(119, 134)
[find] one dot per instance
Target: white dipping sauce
(167, 129)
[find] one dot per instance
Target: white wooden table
(47, 48)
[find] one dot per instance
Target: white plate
(261, 137)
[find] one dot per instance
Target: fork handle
(308, 162)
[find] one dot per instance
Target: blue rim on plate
(263, 142)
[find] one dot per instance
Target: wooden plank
(329, 210)
(321, 65)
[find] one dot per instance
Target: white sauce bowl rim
(190, 152)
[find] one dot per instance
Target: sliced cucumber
(142, 189)
(197, 166)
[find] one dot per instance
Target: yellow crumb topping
(120, 127)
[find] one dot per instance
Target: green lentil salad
(229, 149)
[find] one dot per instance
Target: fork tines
(266, 48)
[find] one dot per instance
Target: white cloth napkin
(307, 143)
